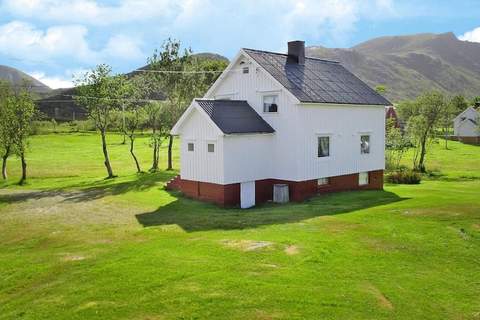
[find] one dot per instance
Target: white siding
(252, 87)
(201, 165)
(248, 157)
(344, 125)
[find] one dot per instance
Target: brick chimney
(296, 52)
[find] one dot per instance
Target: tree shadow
(192, 215)
(93, 190)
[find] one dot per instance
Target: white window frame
(191, 142)
(322, 182)
(269, 95)
(369, 134)
(363, 178)
(214, 147)
(245, 70)
(317, 140)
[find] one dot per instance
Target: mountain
(17, 78)
(410, 65)
(210, 56)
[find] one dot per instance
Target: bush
(404, 177)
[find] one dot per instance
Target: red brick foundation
(229, 195)
(225, 195)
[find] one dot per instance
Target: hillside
(17, 78)
(409, 65)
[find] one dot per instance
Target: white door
(247, 194)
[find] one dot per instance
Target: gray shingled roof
(234, 116)
(318, 81)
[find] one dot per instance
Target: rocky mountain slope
(409, 65)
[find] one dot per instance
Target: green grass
(75, 246)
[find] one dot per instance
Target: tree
(395, 145)
(184, 78)
(475, 101)
(381, 89)
(425, 115)
(6, 125)
(24, 112)
(155, 113)
(450, 110)
(458, 104)
(100, 94)
(172, 60)
(132, 120)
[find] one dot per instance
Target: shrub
(404, 177)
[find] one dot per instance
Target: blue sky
(54, 40)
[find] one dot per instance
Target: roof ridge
(284, 54)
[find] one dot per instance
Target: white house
(466, 125)
(281, 118)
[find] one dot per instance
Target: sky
(56, 40)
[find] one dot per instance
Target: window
(270, 104)
(364, 144)
(363, 178)
(210, 147)
(323, 182)
(245, 70)
(190, 146)
(323, 147)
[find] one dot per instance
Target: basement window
(323, 182)
(363, 179)
(364, 144)
(210, 147)
(270, 104)
(323, 147)
(190, 146)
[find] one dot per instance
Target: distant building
(466, 126)
(61, 106)
(274, 118)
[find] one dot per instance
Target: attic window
(270, 103)
(245, 70)
(211, 147)
(190, 146)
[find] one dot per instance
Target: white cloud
(54, 82)
(123, 47)
(90, 11)
(24, 41)
(471, 36)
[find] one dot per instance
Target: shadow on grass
(89, 191)
(193, 216)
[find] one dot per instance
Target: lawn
(75, 246)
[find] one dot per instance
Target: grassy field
(75, 246)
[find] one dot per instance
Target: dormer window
(270, 104)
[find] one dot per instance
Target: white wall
(291, 153)
(344, 124)
(252, 87)
(201, 165)
(466, 128)
(248, 157)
